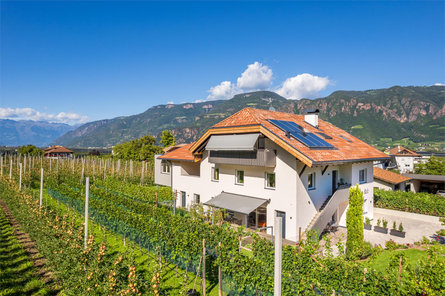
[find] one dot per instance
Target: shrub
(354, 223)
(394, 225)
(384, 223)
(400, 227)
(367, 221)
(391, 245)
(422, 203)
(379, 222)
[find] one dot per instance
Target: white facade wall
(160, 177)
(405, 164)
(383, 185)
(388, 186)
(367, 188)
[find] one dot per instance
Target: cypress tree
(354, 223)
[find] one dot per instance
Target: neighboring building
(258, 164)
(426, 183)
(403, 158)
(426, 155)
(388, 180)
(58, 152)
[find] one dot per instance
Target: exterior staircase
(328, 208)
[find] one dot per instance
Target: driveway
(415, 225)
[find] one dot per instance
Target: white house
(258, 164)
(404, 159)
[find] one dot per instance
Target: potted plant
(397, 232)
(368, 223)
(380, 229)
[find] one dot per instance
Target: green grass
(171, 277)
(18, 276)
(381, 262)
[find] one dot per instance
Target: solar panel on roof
(309, 139)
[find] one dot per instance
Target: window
(270, 180)
(261, 143)
(165, 167)
(344, 138)
(362, 176)
(311, 181)
(239, 178)
(183, 199)
(196, 198)
(215, 174)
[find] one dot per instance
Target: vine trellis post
(204, 267)
(278, 255)
(87, 195)
(41, 187)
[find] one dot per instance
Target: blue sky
(78, 61)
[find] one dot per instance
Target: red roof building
(58, 152)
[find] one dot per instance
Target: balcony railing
(261, 157)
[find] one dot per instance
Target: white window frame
(365, 177)
(213, 174)
(165, 164)
(236, 177)
(313, 181)
(266, 180)
(195, 196)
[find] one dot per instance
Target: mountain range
(24, 132)
(397, 112)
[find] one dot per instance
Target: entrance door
(183, 199)
(334, 181)
(283, 225)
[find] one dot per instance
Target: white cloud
(439, 84)
(259, 77)
(255, 77)
(224, 90)
(302, 85)
(31, 114)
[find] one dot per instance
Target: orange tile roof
(389, 177)
(397, 151)
(181, 153)
(57, 149)
(355, 150)
(171, 148)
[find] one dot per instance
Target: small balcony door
(334, 181)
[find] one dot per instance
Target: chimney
(311, 117)
(399, 147)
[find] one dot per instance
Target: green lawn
(18, 276)
(413, 256)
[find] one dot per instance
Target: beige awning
(241, 142)
(236, 202)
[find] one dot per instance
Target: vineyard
(139, 243)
